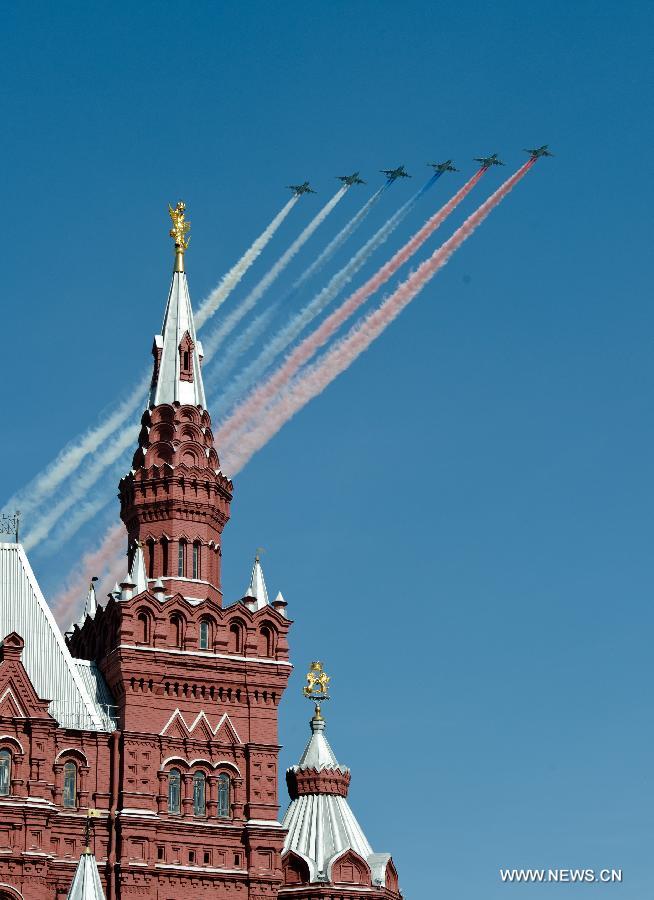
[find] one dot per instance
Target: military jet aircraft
(392, 174)
(299, 189)
(349, 180)
(443, 167)
(488, 161)
(539, 151)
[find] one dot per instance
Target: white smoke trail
(314, 378)
(29, 498)
(222, 402)
(211, 344)
(123, 442)
(229, 281)
(346, 232)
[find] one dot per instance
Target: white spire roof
(91, 605)
(318, 754)
(86, 881)
(137, 573)
(178, 320)
(257, 587)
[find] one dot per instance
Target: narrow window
(199, 784)
(5, 773)
(150, 545)
(235, 638)
(174, 779)
(164, 556)
(181, 559)
(178, 630)
(196, 560)
(70, 785)
(237, 859)
(186, 361)
(223, 796)
(144, 628)
(207, 857)
(204, 635)
(161, 853)
(191, 856)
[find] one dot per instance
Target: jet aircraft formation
(439, 168)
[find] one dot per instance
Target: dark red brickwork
(176, 501)
(197, 688)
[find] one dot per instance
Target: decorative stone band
(314, 781)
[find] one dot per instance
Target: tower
(326, 853)
(197, 683)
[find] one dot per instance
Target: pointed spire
(177, 350)
(257, 588)
(86, 883)
(91, 606)
(137, 573)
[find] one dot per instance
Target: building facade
(159, 711)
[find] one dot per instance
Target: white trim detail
(8, 691)
(206, 654)
(201, 717)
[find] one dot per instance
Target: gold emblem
(317, 686)
(178, 233)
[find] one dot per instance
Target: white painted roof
(86, 881)
(178, 319)
(137, 572)
(257, 587)
(318, 754)
(46, 658)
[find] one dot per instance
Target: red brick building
(160, 709)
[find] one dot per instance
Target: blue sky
(461, 523)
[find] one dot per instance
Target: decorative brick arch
(7, 892)
(296, 869)
(349, 868)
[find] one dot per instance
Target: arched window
(235, 638)
(266, 641)
(5, 773)
(164, 556)
(143, 628)
(205, 634)
(196, 559)
(70, 785)
(174, 791)
(177, 623)
(199, 794)
(224, 806)
(181, 559)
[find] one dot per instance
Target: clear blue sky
(461, 524)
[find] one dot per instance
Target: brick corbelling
(314, 781)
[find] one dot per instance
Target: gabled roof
(45, 657)
(178, 320)
(86, 881)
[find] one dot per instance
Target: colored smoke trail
(311, 344)
(30, 498)
(95, 562)
(214, 340)
(316, 377)
(297, 323)
(229, 281)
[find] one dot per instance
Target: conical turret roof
(86, 881)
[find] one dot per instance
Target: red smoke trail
(316, 377)
(108, 555)
(304, 351)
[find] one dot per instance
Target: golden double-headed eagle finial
(317, 686)
(178, 233)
